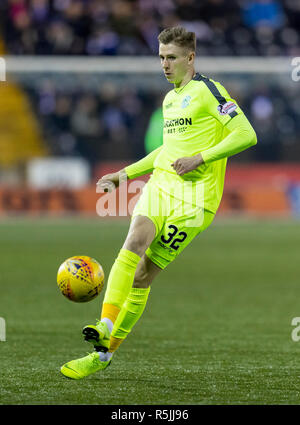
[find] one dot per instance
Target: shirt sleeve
(241, 137)
(218, 103)
(144, 166)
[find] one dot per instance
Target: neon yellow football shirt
(201, 118)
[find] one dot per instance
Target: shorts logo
(227, 108)
(165, 247)
(186, 101)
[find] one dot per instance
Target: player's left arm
(223, 108)
(241, 137)
(241, 133)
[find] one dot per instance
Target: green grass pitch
(216, 330)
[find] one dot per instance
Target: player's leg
(120, 280)
(135, 303)
(140, 235)
(175, 235)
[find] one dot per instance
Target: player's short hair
(178, 36)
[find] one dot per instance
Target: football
(80, 278)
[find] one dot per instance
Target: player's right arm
(144, 166)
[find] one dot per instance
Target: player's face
(176, 62)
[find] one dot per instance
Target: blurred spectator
(102, 41)
(40, 11)
(86, 126)
(262, 112)
(60, 37)
(61, 139)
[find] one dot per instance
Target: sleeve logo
(227, 108)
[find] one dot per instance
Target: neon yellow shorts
(176, 223)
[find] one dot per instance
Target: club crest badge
(186, 101)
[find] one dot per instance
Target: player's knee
(140, 236)
(137, 243)
(135, 246)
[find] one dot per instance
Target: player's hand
(187, 164)
(111, 181)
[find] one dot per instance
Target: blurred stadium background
(81, 98)
(84, 87)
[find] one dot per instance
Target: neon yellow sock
(121, 278)
(130, 313)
